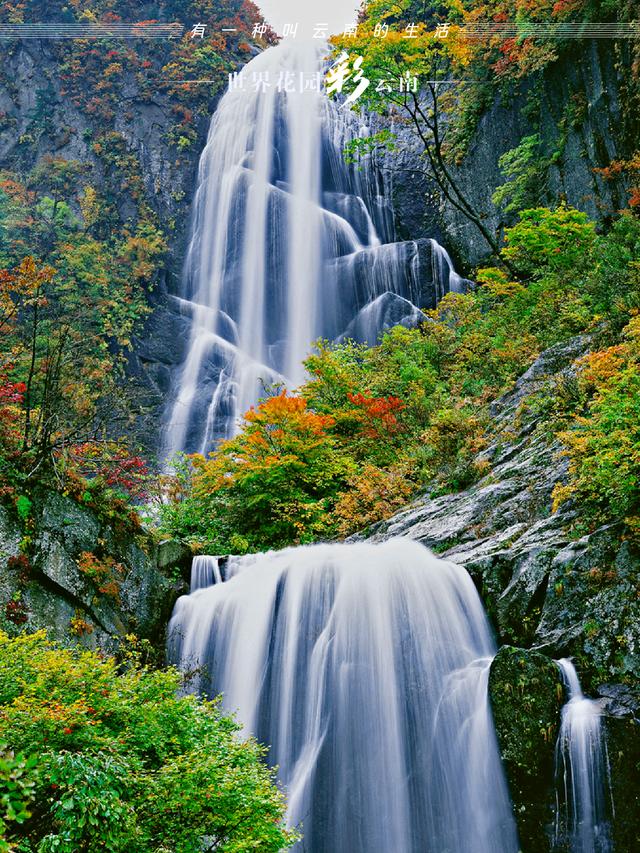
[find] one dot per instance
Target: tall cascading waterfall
(582, 768)
(288, 245)
(364, 668)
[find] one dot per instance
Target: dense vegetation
(372, 427)
(96, 756)
(82, 242)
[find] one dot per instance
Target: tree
(270, 486)
(67, 322)
(603, 444)
(457, 77)
(429, 108)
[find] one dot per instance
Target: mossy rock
(622, 732)
(135, 596)
(526, 695)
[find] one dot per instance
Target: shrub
(121, 762)
(604, 444)
(372, 426)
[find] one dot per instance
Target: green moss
(526, 696)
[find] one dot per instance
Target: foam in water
(288, 244)
(582, 770)
(364, 668)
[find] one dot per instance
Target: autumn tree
(272, 485)
(440, 86)
(409, 52)
(73, 301)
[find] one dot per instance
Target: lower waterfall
(364, 668)
(582, 769)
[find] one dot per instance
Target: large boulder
(526, 694)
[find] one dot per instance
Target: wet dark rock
(622, 734)
(174, 558)
(526, 694)
(621, 700)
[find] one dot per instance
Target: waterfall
(582, 770)
(288, 244)
(205, 571)
(364, 668)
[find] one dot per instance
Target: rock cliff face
(39, 118)
(543, 583)
(67, 570)
(551, 592)
(128, 152)
(578, 109)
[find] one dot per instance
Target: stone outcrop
(544, 583)
(576, 106)
(552, 590)
(70, 572)
(526, 695)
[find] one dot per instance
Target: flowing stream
(288, 244)
(364, 668)
(582, 769)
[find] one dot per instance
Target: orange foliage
(373, 494)
(630, 168)
(378, 415)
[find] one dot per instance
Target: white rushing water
(582, 769)
(205, 571)
(288, 244)
(364, 668)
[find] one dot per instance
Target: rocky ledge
(82, 578)
(551, 590)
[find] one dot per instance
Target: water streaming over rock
(582, 769)
(288, 244)
(205, 571)
(364, 668)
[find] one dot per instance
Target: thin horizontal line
(542, 30)
(80, 38)
(93, 28)
(89, 31)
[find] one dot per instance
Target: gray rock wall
(58, 588)
(582, 124)
(550, 593)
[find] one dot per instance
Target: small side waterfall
(288, 245)
(582, 769)
(205, 571)
(364, 668)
